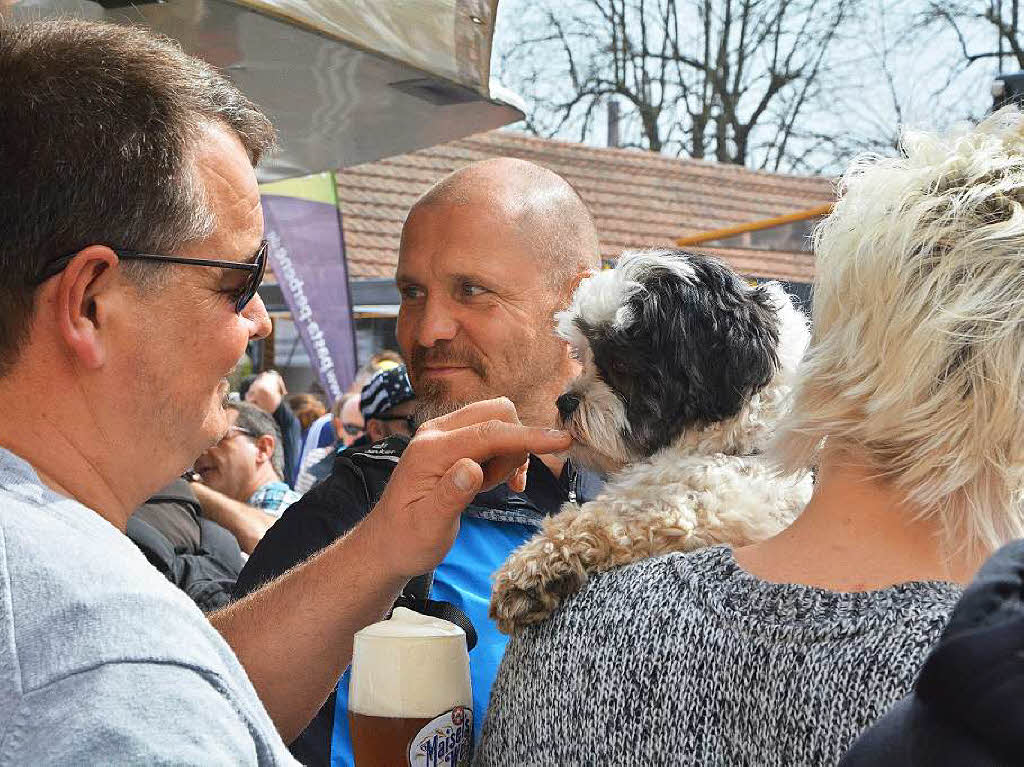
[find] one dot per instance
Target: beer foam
(410, 666)
(409, 623)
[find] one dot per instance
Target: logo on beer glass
(447, 741)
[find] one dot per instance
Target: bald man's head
(488, 256)
(543, 208)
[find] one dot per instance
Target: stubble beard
(434, 399)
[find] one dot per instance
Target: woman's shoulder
(695, 585)
(685, 575)
(649, 590)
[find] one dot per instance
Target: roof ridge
(503, 134)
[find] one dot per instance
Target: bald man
(487, 257)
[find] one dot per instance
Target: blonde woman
(911, 405)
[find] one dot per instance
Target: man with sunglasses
(388, 405)
(348, 426)
(131, 250)
(240, 485)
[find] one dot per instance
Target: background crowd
(200, 529)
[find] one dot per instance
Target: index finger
(491, 439)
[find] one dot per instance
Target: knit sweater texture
(687, 659)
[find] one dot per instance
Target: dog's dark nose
(567, 405)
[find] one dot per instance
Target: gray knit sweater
(688, 659)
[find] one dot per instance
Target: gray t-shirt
(102, 660)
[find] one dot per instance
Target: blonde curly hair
(916, 360)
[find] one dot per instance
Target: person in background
(307, 408)
(488, 255)
(347, 422)
(388, 405)
(240, 485)
(267, 392)
(910, 401)
(316, 439)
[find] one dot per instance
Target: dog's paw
(528, 589)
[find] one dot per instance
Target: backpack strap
(179, 492)
(415, 597)
(370, 464)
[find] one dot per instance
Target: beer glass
(410, 700)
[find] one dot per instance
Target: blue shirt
(464, 579)
(274, 498)
(493, 525)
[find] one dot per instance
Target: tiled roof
(639, 199)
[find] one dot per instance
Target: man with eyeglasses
(240, 485)
(267, 391)
(130, 256)
(388, 405)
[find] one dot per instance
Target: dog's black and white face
(668, 341)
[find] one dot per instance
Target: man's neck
(65, 468)
(264, 475)
(856, 535)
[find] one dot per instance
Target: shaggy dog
(686, 369)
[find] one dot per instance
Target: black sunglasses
(351, 429)
(410, 420)
(243, 295)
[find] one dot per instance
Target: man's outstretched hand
(294, 635)
(447, 463)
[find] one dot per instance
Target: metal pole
(613, 123)
(755, 226)
(999, 31)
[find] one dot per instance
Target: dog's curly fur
(709, 486)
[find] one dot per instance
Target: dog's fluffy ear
(720, 336)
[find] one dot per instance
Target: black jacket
(333, 507)
(291, 440)
(967, 707)
(194, 553)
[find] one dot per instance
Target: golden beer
(410, 700)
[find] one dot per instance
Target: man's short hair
(260, 424)
(98, 127)
(549, 211)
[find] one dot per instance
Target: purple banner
(307, 254)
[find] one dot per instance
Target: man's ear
(574, 282)
(375, 430)
(82, 291)
(265, 448)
